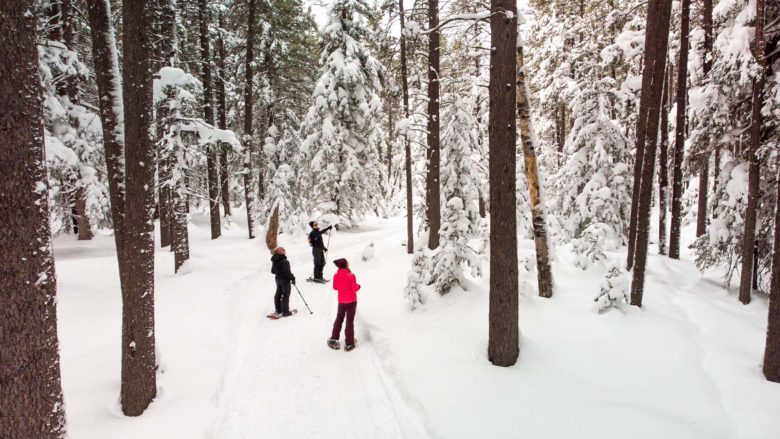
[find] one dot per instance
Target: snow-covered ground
(685, 366)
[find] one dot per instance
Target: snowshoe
(349, 347)
(291, 313)
(274, 316)
(317, 281)
(334, 344)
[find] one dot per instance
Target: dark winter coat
(315, 238)
(280, 266)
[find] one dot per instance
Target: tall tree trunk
(108, 81)
(655, 67)
(543, 270)
(679, 137)
(31, 403)
(212, 164)
(407, 145)
(138, 356)
(663, 172)
(248, 117)
(224, 172)
(167, 51)
(70, 88)
(772, 351)
(641, 127)
(754, 172)
(434, 189)
(562, 135)
(704, 173)
(272, 234)
(503, 332)
(180, 238)
(389, 152)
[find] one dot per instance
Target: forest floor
(687, 365)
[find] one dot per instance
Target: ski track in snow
(699, 349)
(284, 382)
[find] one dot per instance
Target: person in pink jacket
(346, 284)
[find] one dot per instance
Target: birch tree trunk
(503, 331)
(272, 234)
(527, 136)
(31, 402)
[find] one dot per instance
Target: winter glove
(293, 281)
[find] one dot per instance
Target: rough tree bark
(663, 172)
(138, 355)
(31, 403)
(248, 118)
(224, 172)
(272, 234)
(543, 269)
(407, 146)
(754, 172)
(212, 164)
(166, 44)
(772, 350)
(701, 216)
(434, 189)
(503, 332)
(655, 67)
(63, 23)
(641, 131)
(107, 78)
(679, 134)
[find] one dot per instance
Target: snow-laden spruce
(73, 135)
(342, 130)
(460, 222)
(593, 184)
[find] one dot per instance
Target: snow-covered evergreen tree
(459, 187)
(593, 185)
(343, 134)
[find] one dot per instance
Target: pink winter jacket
(345, 283)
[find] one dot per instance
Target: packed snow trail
(283, 381)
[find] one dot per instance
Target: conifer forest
(390, 219)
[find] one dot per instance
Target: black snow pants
(319, 262)
(282, 297)
(345, 310)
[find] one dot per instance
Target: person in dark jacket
(318, 249)
(280, 267)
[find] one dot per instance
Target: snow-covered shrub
(413, 292)
(614, 289)
(589, 247)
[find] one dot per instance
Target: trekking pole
(304, 300)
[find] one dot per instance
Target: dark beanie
(311, 224)
(341, 263)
